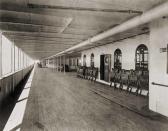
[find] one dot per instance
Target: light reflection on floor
(15, 120)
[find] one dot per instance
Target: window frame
(84, 60)
(142, 63)
(118, 59)
(92, 60)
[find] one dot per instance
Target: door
(107, 66)
(101, 67)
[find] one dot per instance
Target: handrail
(153, 83)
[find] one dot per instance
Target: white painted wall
(158, 95)
(127, 46)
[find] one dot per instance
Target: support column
(54, 63)
(64, 64)
(13, 66)
(60, 63)
(57, 63)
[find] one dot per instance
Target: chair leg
(148, 93)
(121, 86)
(130, 90)
(140, 92)
(92, 78)
(115, 85)
(137, 90)
(95, 79)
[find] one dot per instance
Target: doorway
(105, 65)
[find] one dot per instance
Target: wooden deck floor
(59, 102)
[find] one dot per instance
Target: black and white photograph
(83, 65)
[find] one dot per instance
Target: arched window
(117, 59)
(92, 60)
(141, 58)
(84, 60)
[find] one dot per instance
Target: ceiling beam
(37, 6)
(38, 9)
(42, 44)
(39, 36)
(9, 28)
(28, 23)
(40, 51)
(44, 52)
(41, 32)
(44, 39)
(43, 47)
(41, 26)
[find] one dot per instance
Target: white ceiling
(43, 28)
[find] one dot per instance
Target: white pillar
(57, 63)
(13, 65)
(64, 64)
(60, 63)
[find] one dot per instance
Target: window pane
(25, 57)
(145, 57)
(6, 56)
(21, 57)
(117, 59)
(141, 58)
(84, 60)
(16, 58)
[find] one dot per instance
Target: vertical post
(69, 61)
(26, 61)
(19, 58)
(23, 59)
(54, 63)
(22, 63)
(14, 57)
(60, 63)
(13, 65)
(64, 64)
(57, 64)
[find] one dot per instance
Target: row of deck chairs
(89, 73)
(131, 79)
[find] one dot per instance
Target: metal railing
(153, 83)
